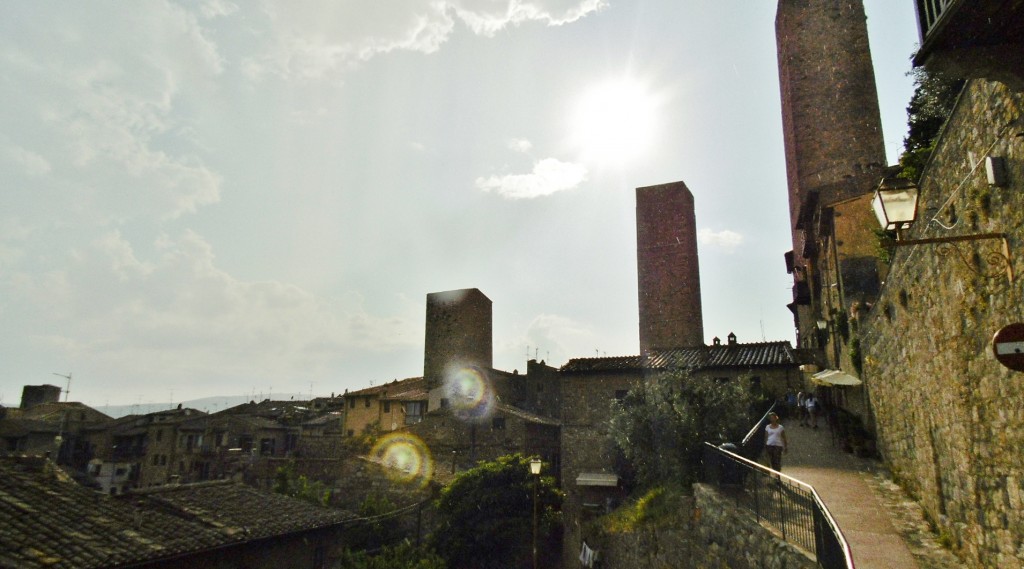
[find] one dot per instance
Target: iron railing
(753, 444)
(789, 506)
(929, 12)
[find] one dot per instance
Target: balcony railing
(789, 506)
(929, 12)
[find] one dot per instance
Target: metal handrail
(790, 495)
(758, 427)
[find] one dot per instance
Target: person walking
(812, 409)
(775, 441)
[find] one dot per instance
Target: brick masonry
(667, 268)
(950, 418)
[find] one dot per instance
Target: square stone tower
(667, 268)
(830, 118)
(458, 332)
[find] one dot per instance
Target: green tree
(486, 516)
(934, 96)
(401, 556)
(378, 525)
(297, 486)
(662, 422)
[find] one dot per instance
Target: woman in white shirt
(775, 441)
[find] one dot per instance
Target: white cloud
(728, 240)
(489, 17)
(548, 176)
(179, 315)
(33, 164)
(519, 145)
(314, 39)
(554, 338)
(98, 95)
(217, 8)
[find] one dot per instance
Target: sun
(614, 122)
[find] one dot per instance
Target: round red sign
(1008, 346)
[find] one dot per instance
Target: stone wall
(586, 447)
(950, 418)
(709, 532)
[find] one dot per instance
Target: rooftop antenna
(68, 390)
(535, 351)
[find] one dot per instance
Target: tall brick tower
(458, 332)
(830, 117)
(668, 274)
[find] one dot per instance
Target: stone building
(948, 417)
(833, 139)
(386, 407)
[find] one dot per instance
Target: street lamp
(895, 205)
(535, 464)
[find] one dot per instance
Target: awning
(834, 377)
(597, 479)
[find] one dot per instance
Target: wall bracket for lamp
(996, 256)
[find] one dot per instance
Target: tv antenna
(68, 390)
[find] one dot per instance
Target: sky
(214, 197)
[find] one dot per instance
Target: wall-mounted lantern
(895, 205)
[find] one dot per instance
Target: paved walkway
(885, 529)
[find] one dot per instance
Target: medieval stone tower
(667, 270)
(458, 333)
(830, 117)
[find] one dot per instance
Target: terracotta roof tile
(46, 520)
(702, 357)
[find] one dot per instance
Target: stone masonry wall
(950, 418)
(708, 533)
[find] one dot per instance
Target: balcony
(973, 38)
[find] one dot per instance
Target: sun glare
(614, 122)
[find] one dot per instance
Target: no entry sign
(1008, 346)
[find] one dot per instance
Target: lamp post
(535, 465)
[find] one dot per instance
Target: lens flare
(469, 393)
(406, 457)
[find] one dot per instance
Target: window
(267, 447)
(351, 433)
(620, 394)
(387, 406)
(498, 423)
(414, 411)
(156, 460)
(159, 435)
(163, 460)
(367, 399)
(444, 402)
(352, 403)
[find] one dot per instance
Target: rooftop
(759, 354)
(46, 520)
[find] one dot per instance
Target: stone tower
(667, 270)
(830, 117)
(458, 333)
